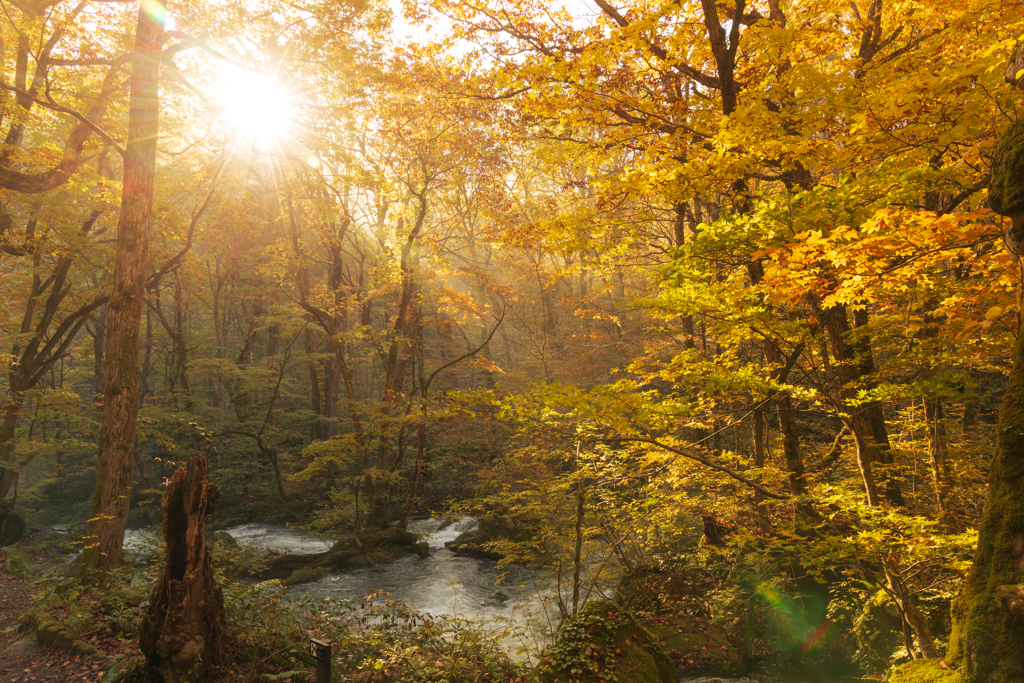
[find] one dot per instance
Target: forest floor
(22, 659)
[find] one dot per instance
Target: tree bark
(109, 514)
(181, 631)
(988, 617)
(759, 501)
(854, 363)
(937, 449)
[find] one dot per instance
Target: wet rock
(305, 576)
(475, 551)
(465, 538)
(223, 538)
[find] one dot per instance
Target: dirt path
(24, 660)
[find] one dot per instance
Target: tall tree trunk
(11, 412)
(988, 617)
(852, 364)
(109, 513)
(317, 427)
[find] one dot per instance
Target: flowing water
(504, 600)
(513, 602)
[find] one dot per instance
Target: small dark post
(320, 651)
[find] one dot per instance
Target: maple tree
(686, 261)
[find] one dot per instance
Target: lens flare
(792, 619)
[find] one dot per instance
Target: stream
(506, 601)
(512, 602)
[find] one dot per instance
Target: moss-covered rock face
(1006, 189)
(923, 671)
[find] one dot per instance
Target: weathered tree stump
(181, 632)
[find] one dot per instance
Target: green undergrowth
(267, 631)
(923, 671)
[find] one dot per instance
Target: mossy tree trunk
(988, 618)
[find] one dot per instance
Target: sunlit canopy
(253, 105)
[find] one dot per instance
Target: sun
(253, 105)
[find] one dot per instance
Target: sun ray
(253, 105)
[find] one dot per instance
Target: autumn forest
(691, 327)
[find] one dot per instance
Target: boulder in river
(223, 538)
(465, 538)
(381, 548)
(479, 552)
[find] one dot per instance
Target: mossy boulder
(12, 527)
(465, 538)
(923, 671)
(604, 642)
(495, 526)
(50, 633)
(382, 548)
(305, 576)
(224, 539)
(480, 553)
(878, 631)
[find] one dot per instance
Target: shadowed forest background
(704, 310)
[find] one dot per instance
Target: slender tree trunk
(852, 364)
(421, 444)
(937, 449)
(762, 512)
(124, 312)
(784, 405)
(99, 345)
(969, 424)
(11, 470)
(913, 621)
